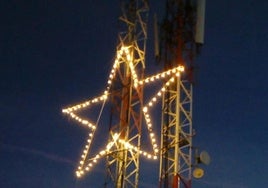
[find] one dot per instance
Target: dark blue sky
(58, 53)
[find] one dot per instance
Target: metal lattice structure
(176, 136)
(126, 97)
(124, 92)
(178, 47)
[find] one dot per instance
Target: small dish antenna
(198, 173)
(204, 158)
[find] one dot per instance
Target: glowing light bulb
(78, 174)
(145, 109)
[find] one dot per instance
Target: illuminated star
(86, 165)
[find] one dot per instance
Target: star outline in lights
(71, 111)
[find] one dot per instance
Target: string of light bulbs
(123, 55)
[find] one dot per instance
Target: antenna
(198, 173)
(200, 22)
(156, 38)
(202, 158)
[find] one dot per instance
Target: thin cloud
(221, 185)
(43, 154)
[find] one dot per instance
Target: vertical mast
(127, 97)
(178, 47)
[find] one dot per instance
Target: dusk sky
(58, 53)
